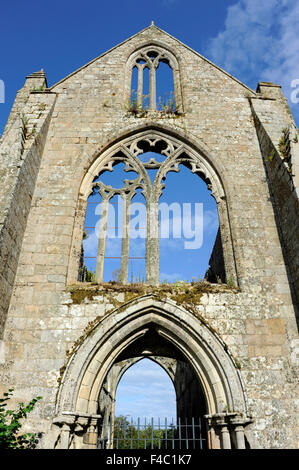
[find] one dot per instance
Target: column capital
(228, 418)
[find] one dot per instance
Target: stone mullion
(152, 88)
(124, 268)
(140, 86)
(152, 242)
(102, 240)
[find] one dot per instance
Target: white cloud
(247, 36)
(260, 42)
(90, 244)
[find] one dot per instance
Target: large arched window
(145, 162)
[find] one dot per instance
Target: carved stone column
(140, 68)
(65, 436)
(66, 423)
(91, 436)
(152, 88)
(239, 430)
(152, 243)
(225, 437)
(77, 430)
(229, 426)
(124, 266)
(238, 424)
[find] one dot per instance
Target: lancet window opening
(164, 155)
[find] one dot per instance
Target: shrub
(10, 424)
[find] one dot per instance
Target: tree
(10, 424)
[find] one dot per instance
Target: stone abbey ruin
(229, 343)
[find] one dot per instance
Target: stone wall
(282, 176)
(21, 151)
(42, 340)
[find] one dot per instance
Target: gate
(150, 434)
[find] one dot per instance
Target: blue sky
(252, 40)
(177, 260)
(152, 395)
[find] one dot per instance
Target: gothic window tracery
(149, 152)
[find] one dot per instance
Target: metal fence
(150, 434)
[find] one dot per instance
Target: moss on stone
(180, 291)
(237, 363)
(184, 294)
(78, 295)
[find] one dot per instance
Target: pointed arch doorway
(186, 430)
(148, 326)
(146, 389)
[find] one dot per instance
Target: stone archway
(177, 151)
(122, 331)
(190, 399)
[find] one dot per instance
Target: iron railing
(151, 434)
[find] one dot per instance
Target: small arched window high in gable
(153, 74)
